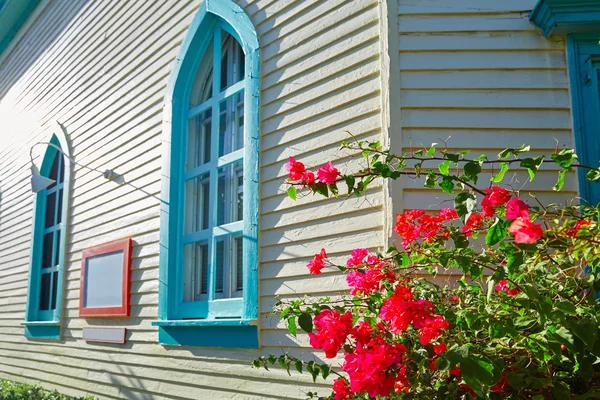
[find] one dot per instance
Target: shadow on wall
(21, 55)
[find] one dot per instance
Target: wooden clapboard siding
(478, 72)
(101, 68)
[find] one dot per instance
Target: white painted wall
(479, 72)
(100, 67)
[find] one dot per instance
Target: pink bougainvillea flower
(578, 225)
(517, 208)
(455, 371)
(295, 168)
(357, 257)
(413, 224)
(341, 390)
(475, 222)
(432, 328)
(502, 286)
(468, 390)
(308, 177)
(317, 263)
(496, 196)
(332, 330)
(501, 386)
(367, 367)
(328, 174)
(454, 299)
(525, 231)
(488, 211)
(362, 332)
(440, 348)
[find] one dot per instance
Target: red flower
(455, 371)
(368, 279)
(328, 174)
(440, 348)
(362, 333)
(496, 196)
(432, 364)
(517, 208)
(468, 390)
(454, 299)
(341, 390)
(317, 263)
(475, 222)
(332, 330)
(501, 386)
(357, 257)
(308, 177)
(525, 231)
(432, 328)
(295, 169)
(488, 211)
(413, 224)
(578, 225)
(367, 367)
(502, 286)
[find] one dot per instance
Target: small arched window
(209, 219)
(48, 245)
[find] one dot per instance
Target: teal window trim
(579, 22)
(13, 14)
(239, 332)
(46, 324)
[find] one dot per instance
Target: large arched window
(46, 271)
(209, 219)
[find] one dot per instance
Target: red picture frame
(94, 253)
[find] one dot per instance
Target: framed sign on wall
(105, 278)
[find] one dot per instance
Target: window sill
(48, 330)
(224, 333)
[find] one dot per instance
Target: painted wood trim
(125, 246)
(58, 136)
(562, 17)
(586, 108)
(233, 337)
(13, 15)
(236, 22)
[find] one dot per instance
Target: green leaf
(292, 325)
(305, 322)
(532, 165)
(496, 233)
(444, 167)
(431, 150)
(442, 364)
(325, 371)
(321, 188)
(418, 153)
(447, 184)
(472, 169)
(298, 365)
(567, 307)
(507, 152)
(500, 175)
(465, 203)
(593, 175)
(565, 158)
(477, 372)
(292, 192)
(431, 180)
(561, 181)
(313, 369)
(350, 181)
(453, 157)
(585, 330)
(456, 355)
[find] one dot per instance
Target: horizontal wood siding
(479, 73)
(100, 68)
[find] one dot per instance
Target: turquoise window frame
(13, 14)
(47, 324)
(173, 329)
(579, 23)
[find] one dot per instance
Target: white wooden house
(134, 86)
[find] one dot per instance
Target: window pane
(54, 168)
(197, 197)
(61, 175)
(195, 282)
(59, 208)
(231, 124)
(230, 196)
(202, 88)
(57, 247)
(47, 254)
(45, 292)
(232, 61)
(50, 209)
(199, 139)
(54, 289)
(239, 270)
(221, 259)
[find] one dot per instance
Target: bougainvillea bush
(518, 322)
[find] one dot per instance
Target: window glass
(202, 87)
(45, 292)
(197, 204)
(50, 209)
(195, 271)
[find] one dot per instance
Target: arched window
(209, 219)
(48, 245)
